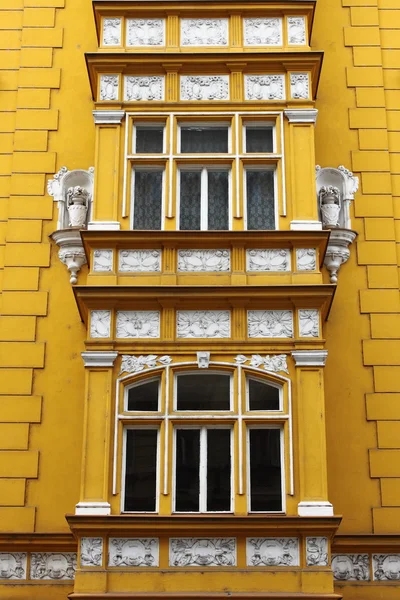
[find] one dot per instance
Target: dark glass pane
(262, 396)
(203, 392)
(149, 140)
(218, 199)
(187, 470)
(148, 194)
(144, 396)
(265, 470)
(203, 139)
(218, 469)
(141, 465)
(259, 139)
(190, 200)
(260, 200)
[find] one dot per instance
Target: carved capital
(108, 116)
(99, 359)
(310, 358)
(301, 115)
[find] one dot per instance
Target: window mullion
(203, 470)
(204, 200)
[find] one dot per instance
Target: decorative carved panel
(109, 86)
(145, 32)
(203, 324)
(308, 322)
(296, 31)
(317, 551)
(272, 552)
(274, 363)
(350, 567)
(144, 88)
(386, 567)
(202, 552)
(100, 323)
(306, 259)
(91, 552)
(13, 565)
(268, 260)
(263, 32)
(208, 87)
(203, 260)
(102, 261)
(138, 324)
(270, 323)
(264, 87)
(112, 32)
(135, 364)
(139, 261)
(55, 566)
(299, 86)
(133, 552)
(204, 32)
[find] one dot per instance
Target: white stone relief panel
(204, 32)
(56, 566)
(203, 323)
(102, 261)
(270, 323)
(91, 552)
(306, 259)
(212, 87)
(296, 31)
(203, 260)
(299, 86)
(386, 567)
(144, 88)
(13, 565)
(350, 567)
(317, 551)
(264, 87)
(274, 363)
(100, 323)
(202, 552)
(139, 261)
(145, 32)
(135, 364)
(272, 552)
(138, 324)
(308, 322)
(133, 552)
(268, 260)
(112, 32)
(263, 32)
(109, 87)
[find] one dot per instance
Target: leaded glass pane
(149, 140)
(187, 470)
(204, 139)
(141, 470)
(260, 199)
(190, 197)
(218, 200)
(259, 139)
(148, 198)
(265, 470)
(218, 470)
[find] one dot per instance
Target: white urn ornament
(77, 206)
(330, 206)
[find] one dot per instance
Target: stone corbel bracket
(337, 252)
(71, 252)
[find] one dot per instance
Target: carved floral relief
(203, 260)
(264, 87)
(204, 32)
(138, 324)
(112, 32)
(100, 323)
(308, 322)
(317, 551)
(145, 32)
(211, 87)
(109, 85)
(263, 32)
(135, 364)
(270, 323)
(202, 552)
(272, 552)
(91, 552)
(306, 259)
(268, 260)
(203, 324)
(144, 88)
(139, 261)
(299, 86)
(13, 565)
(350, 567)
(133, 552)
(386, 567)
(47, 565)
(274, 363)
(296, 31)
(102, 261)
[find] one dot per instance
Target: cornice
(42, 542)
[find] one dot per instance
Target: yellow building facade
(200, 316)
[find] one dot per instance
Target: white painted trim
(104, 226)
(99, 358)
(315, 509)
(103, 117)
(301, 115)
(310, 358)
(93, 508)
(305, 225)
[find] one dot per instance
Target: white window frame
(202, 373)
(258, 124)
(150, 125)
(262, 412)
(138, 384)
(268, 167)
(147, 167)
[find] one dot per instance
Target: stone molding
(315, 509)
(317, 552)
(301, 115)
(97, 358)
(272, 552)
(133, 552)
(310, 358)
(104, 117)
(202, 552)
(104, 226)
